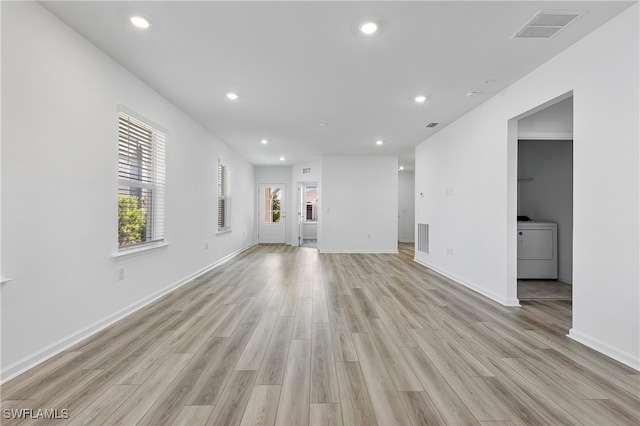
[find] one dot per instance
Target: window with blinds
(224, 197)
(141, 181)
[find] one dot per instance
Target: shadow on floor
(543, 290)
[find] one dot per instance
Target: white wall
(554, 122)
(549, 196)
(476, 156)
(406, 207)
(314, 175)
(281, 175)
(359, 205)
(59, 190)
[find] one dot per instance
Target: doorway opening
(308, 211)
(544, 194)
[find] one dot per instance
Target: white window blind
(224, 197)
(141, 181)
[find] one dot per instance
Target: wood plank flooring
(288, 336)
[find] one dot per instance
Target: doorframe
(512, 198)
(283, 208)
(299, 203)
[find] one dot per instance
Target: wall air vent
(548, 23)
(432, 124)
(306, 170)
(423, 238)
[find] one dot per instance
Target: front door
(271, 214)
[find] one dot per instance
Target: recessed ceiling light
(369, 27)
(420, 99)
(232, 96)
(264, 141)
(140, 22)
(401, 168)
(281, 158)
(472, 94)
(379, 142)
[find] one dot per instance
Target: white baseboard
(55, 348)
(604, 348)
(566, 280)
(470, 285)
(406, 241)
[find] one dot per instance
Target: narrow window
(224, 197)
(141, 181)
(311, 202)
(272, 204)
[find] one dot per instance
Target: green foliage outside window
(275, 207)
(132, 220)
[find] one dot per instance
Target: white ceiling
(298, 64)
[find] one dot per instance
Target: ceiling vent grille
(432, 124)
(548, 23)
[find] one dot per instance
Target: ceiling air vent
(548, 23)
(432, 124)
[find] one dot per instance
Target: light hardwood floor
(287, 336)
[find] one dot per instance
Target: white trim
(546, 135)
(406, 241)
(337, 251)
(566, 280)
(55, 348)
(138, 250)
(604, 348)
(497, 298)
(140, 117)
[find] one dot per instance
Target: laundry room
(545, 197)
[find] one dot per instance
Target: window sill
(137, 251)
(224, 231)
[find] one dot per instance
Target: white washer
(538, 250)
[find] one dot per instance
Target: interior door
(271, 213)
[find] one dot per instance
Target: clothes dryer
(537, 250)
